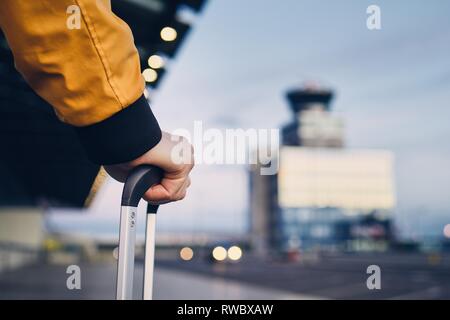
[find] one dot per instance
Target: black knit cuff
(123, 137)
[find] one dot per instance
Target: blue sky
(393, 90)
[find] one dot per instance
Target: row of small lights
(155, 61)
(219, 253)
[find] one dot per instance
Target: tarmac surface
(403, 276)
(341, 276)
(98, 282)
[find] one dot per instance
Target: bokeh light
(234, 253)
(168, 34)
(150, 75)
(219, 253)
(115, 253)
(155, 61)
(447, 231)
(186, 253)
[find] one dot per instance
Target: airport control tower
(313, 124)
(324, 195)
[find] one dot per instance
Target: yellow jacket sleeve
(81, 58)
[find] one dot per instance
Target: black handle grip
(138, 182)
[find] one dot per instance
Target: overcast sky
(393, 90)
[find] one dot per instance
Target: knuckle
(172, 195)
(187, 167)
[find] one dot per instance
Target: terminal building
(324, 196)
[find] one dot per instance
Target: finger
(189, 182)
(157, 194)
(168, 190)
(181, 194)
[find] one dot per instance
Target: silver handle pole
(125, 266)
(150, 233)
(137, 183)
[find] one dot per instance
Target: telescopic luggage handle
(137, 183)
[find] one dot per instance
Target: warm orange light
(234, 253)
(156, 62)
(150, 75)
(168, 34)
(186, 253)
(219, 253)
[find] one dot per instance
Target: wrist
(123, 137)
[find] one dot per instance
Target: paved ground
(49, 282)
(404, 276)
